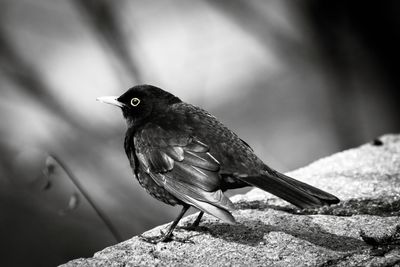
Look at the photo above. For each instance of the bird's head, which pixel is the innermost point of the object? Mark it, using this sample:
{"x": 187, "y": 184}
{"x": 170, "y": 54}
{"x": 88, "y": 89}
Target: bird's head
{"x": 140, "y": 102}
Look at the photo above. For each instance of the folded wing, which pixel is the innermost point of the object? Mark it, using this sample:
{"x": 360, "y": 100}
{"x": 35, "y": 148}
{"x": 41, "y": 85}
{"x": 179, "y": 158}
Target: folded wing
{"x": 184, "y": 167}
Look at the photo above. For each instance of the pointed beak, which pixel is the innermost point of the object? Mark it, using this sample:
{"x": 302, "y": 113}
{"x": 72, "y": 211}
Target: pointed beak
{"x": 112, "y": 100}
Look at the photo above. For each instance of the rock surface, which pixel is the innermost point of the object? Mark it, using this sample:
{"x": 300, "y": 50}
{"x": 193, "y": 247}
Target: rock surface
{"x": 362, "y": 230}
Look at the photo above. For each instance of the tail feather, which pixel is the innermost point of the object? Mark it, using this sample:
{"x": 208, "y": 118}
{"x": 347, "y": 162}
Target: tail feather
{"x": 326, "y": 197}
{"x": 297, "y": 193}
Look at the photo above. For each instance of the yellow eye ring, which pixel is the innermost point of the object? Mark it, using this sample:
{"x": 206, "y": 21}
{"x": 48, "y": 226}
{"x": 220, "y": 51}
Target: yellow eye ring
{"x": 135, "y": 101}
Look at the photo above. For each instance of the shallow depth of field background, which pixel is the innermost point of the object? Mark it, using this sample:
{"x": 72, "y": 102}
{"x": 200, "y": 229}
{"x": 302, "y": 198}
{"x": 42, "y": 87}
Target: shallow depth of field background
{"x": 297, "y": 80}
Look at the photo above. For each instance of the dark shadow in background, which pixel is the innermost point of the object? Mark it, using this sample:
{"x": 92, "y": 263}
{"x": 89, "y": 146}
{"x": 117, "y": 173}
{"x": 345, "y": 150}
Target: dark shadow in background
{"x": 358, "y": 42}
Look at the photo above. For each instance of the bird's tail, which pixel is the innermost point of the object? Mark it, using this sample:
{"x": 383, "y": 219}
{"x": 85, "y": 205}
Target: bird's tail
{"x": 297, "y": 193}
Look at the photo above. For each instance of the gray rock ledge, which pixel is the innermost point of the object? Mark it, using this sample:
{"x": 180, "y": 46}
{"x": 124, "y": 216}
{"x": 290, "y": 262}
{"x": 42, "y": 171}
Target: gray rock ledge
{"x": 362, "y": 230}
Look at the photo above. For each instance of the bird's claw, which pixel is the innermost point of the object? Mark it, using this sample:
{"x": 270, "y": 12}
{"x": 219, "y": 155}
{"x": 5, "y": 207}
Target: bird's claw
{"x": 156, "y": 239}
{"x": 165, "y": 238}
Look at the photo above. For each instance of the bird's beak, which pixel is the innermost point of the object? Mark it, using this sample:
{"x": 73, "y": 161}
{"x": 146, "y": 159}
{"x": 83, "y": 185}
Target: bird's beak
{"x": 112, "y": 100}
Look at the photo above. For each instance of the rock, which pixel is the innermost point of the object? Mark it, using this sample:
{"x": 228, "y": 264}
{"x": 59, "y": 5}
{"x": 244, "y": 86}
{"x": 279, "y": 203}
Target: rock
{"x": 362, "y": 230}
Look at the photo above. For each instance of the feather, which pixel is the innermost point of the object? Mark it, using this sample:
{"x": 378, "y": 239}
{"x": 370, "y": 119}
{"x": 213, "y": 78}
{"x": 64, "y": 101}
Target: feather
{"x": 197, "y": 146}
{"x": 299, "y": 194}
{"x": 160, "y": 162}
{"x": 175, "y": 152}
{"x": 214, "y": 203}
{"x": 202, "y": 160}
{"x": 204, "y": 179}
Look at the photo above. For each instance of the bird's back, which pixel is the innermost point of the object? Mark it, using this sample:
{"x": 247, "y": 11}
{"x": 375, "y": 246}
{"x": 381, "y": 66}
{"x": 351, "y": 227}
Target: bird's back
{"x": 234, "y": 155}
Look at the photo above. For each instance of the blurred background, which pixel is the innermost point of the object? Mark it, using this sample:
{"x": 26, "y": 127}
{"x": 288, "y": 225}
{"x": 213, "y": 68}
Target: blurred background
{"x": 297, "y": 80}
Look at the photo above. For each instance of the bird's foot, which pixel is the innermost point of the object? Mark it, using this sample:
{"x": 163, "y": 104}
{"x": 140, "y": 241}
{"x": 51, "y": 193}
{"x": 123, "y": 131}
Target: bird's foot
{"x": 164, "y": 238}
{"x": 155, "y": 239}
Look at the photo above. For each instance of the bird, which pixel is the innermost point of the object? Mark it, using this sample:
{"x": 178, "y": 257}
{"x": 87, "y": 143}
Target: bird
{"x": 183, "y": 155}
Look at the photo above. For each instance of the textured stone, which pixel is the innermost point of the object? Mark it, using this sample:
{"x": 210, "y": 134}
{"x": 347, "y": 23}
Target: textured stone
{"x": 362, "y": 230}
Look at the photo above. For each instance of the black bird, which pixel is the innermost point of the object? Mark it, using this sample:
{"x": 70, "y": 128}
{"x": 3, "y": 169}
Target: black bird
{"x": 181, "y": 154}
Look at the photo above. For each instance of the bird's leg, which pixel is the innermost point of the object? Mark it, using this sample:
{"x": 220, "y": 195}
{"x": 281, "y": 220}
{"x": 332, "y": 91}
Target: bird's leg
{"x": 195, "y": 224}
{"x": 197, "y": 221}
{"x": 166, "y": 237}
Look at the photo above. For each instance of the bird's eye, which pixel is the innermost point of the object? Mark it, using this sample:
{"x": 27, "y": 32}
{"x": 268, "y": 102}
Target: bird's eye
{"x": 135, "y": 101}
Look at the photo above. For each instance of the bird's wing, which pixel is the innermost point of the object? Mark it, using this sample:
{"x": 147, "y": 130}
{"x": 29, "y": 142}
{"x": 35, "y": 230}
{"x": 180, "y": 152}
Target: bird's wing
{"x": 184, "y": 167}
